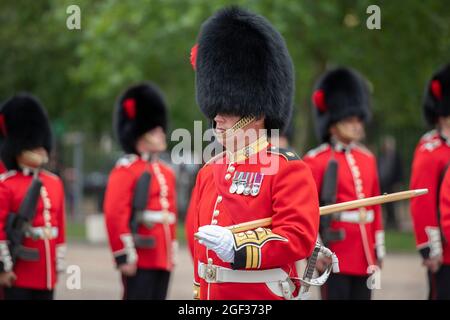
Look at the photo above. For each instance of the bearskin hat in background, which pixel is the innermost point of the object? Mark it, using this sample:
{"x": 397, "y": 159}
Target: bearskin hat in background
{"x": 24, "y": 125}
{"x": 339, "y": 94}
{"x": 139, "y": 109}
{"x": 437, "y": 96}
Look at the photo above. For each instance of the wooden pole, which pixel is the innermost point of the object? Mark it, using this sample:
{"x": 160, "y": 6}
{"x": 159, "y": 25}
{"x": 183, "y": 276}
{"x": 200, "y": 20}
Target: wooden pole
{"x": 338, "y": 207}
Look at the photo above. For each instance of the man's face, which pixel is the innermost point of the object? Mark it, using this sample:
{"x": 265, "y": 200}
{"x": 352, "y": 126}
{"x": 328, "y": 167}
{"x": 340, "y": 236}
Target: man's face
{"x": 153, "y": 141}
{"x": 445, "y": 121}
{"x": 223, "y": 123}
{"x": 349, "y": 130}
{"x": 33, "y": 158}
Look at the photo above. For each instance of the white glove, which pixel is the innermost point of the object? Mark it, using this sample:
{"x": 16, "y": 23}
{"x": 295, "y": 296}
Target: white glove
{"x": 218, "y": 239}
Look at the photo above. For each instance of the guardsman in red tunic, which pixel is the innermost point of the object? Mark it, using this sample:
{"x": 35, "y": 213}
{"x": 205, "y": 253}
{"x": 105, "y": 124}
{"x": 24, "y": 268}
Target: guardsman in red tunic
{"x": 29, "y": 260}
{"x": 431, "y": 158}
{"x": 140, "y": 200}
{"x": 2, "y": 170}
{"x": 443, "y": 289}
{"x": 244, "y": 81}
{"x": 345, "y": 170}
{"x": 2, "y": 137}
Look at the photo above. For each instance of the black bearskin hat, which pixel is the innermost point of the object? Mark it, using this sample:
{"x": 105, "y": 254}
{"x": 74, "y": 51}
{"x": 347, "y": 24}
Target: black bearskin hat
{"x": 437, "y": 96}
{"x": 139, "y": 109}
{"x": 25, "y": 126}
{"x": 243, "y": 68}
{"x": 339, "y": 94}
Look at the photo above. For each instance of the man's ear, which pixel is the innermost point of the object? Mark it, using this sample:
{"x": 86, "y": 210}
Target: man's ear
{"x": 332, "y": 130}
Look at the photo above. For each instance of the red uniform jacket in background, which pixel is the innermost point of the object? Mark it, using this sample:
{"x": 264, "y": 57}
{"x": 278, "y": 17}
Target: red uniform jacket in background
{"x": 287, "y": 194}
{"x": 357, "y": 177}
{"x": 118, "y": 206}
{"x": 431, "y": 157}
{"x": 445, "y": 214}
{"x": 40, "y": 274}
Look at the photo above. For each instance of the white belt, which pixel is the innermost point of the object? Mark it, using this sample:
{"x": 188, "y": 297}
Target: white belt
{"x": 42, "y": 232}
{"x": 150, "y": 217}
{"x": 276, "y": 280}
{"x": 357, "y": 217}
{"x": 215, "y": 274}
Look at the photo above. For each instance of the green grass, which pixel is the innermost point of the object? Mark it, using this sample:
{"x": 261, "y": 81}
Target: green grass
{"x": 397, "y": 241}
{"x": 77, "y": 231}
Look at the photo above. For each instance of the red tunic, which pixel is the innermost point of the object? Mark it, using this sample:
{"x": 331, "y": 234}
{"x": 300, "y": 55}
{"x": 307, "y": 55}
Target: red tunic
{"x": 357, "y": 177}
{"x": 287, "y": 194}
{"x": 445, "y": 214}
{"x": 40, "y": 274}
{"x": 117, "y": 208}
{"x": 431, "y": 157}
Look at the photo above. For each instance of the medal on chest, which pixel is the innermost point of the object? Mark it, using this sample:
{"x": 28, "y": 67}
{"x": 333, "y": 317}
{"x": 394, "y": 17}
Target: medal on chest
{"x": 246, "y": 183}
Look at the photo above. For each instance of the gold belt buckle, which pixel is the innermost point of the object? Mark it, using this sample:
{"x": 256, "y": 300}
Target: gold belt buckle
{"x": 362, "y": 215}
{"x": 210, "y": 273}
{"x": 47, "y": 232}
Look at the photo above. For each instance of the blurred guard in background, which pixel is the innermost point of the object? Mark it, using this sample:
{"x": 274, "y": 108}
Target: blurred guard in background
{"x": 443, "y": 286}
{"x": 245, "y": 84}
{"x": 30, "y": 198}
{"x": 345, "y": 170}
{"x": 139, "y": 206}
{"x": 431, "y": 159}
{"x": 2, "y": 170}
{"x": 2, "y": 137}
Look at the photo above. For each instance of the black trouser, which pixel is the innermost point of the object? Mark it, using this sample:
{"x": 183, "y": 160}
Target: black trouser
{"x": 439, "y": 284}
{"x": 146, "y": 285}
{"x": 16, "y": 293}
{"x": 346, "y": 287}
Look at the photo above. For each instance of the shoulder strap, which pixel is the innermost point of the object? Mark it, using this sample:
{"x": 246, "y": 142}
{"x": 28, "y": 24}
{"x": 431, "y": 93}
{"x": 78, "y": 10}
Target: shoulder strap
{"x": 289, "y": 155}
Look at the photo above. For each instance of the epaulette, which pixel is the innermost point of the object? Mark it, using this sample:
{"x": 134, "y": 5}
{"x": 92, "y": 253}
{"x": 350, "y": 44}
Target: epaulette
{"x": 289, "y": 155}
{"x": 314, "y": 152}
{"x": 7, "y": 175}
{"x": 431, "y": 145}
{"x": 364, "y": 149}
{"x": 127, "y": 160}
{"x": 430, "y": 135}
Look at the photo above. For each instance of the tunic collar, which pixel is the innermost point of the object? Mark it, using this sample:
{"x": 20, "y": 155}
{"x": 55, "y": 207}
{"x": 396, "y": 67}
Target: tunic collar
{"x": 253, "y": 148}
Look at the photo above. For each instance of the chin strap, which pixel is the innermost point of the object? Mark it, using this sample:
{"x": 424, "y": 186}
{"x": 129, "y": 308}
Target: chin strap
{"x": 241, "y": 123}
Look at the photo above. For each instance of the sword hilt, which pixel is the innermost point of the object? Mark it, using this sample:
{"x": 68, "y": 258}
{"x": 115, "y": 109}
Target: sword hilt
{"x": 310, "y": 267}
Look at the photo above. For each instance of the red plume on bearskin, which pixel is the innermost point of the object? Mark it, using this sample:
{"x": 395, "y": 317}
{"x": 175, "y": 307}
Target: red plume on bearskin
{"x": 194, "y": 56}
{"x": 318, "y": 99}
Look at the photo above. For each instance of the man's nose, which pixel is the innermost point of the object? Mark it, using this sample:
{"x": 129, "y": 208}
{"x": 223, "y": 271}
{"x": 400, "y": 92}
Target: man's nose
{"x": 219, "y": 119}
